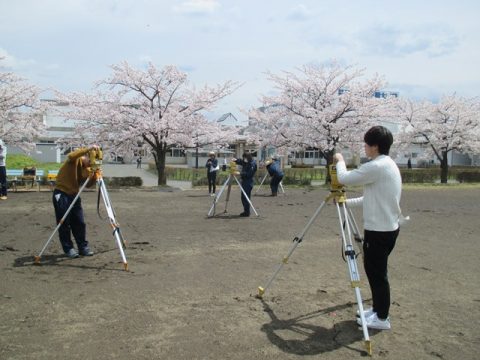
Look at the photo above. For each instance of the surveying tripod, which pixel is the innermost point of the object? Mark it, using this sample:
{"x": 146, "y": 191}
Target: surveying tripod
{"x": 228, "y": 184}
{"x": 263, "y": 180}
{"x": 95, "y": 172}
{"x": 349, "y": 230}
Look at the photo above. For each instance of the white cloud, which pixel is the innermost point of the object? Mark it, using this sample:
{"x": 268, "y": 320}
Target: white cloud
{"x": 386, "y": 40}
{"x": 197, "y": 7}
{"x": 11, "y": 62}
{"x": 299, "y": 13}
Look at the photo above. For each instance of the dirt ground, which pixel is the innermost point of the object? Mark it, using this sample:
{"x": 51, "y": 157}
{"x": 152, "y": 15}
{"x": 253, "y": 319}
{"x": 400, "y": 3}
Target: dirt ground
{"x": 190, "y": 292}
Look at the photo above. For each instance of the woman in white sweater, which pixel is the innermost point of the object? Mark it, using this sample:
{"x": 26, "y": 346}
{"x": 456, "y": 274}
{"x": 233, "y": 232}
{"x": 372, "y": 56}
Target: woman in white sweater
{"x": 381, "y": 215}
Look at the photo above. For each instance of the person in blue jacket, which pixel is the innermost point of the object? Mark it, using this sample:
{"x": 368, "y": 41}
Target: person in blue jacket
{"x": 249, "y": 168}
{"x": 275, "y": 171}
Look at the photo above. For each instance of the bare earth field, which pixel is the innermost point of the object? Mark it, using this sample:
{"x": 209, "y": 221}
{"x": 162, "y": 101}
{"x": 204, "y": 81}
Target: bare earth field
{"x": 190, "y": 292}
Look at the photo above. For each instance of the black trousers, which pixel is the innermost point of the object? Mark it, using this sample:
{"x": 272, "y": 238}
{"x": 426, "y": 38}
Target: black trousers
{"x": 74, "y": 222}
{"x": 247, "y": 187}
{"x": 212, "y": 179}
{"x": 377, "y": 246}
{"x": 3, "y": 181}
{"x": 274, "y": 183}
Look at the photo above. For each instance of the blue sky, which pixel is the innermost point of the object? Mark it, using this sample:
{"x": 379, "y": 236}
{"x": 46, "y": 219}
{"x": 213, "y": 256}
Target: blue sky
{"x": 423, "y": 48}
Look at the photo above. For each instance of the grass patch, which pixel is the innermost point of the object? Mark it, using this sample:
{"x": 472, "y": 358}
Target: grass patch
{"x": 19, "y": 161}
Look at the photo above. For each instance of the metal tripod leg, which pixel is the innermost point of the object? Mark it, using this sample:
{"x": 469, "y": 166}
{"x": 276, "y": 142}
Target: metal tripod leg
{"x": 281, "y": 187}
{"x": 353, "y": 224}
{"x": 113, "y": 222}
{"x": 60, "y": 223}
{"x": 217, "y": 197}
{"x": 351, "y": 260}
{"x": 245, "y": 194}
{"x": 261, "y": 183}
{"x": 297, "y": 240}
{"x": 228, "y": 185}
{"x": 229, "y": 191}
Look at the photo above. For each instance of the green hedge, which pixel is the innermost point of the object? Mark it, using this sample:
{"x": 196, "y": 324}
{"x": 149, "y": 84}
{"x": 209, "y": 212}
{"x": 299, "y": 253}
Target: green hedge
{"x": 432, "y": 175}
{"x": 123, "y": 181}
{"x": 292, "y": 176}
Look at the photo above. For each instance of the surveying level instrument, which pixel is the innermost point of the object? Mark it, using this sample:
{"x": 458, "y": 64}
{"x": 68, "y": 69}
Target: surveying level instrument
{"x": 263, "y": 180}
{"x": 228, "y": 184}
{"x": 95, "y": 173}
{"x": 349, "y": 230}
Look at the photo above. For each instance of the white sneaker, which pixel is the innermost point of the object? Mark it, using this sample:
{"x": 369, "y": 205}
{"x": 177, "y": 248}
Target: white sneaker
{"x": 367, "y": 313}
{"x": 373, "y": 322}
{"x": 212, "y": 194}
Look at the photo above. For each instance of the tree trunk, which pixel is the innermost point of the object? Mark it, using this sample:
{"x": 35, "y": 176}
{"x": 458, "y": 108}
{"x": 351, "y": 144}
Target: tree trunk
{"x": 444, "y": 168}
{"x": 160, "y": 154}
{"x": 196, "y": 157}
{"x": 329, "y": 157}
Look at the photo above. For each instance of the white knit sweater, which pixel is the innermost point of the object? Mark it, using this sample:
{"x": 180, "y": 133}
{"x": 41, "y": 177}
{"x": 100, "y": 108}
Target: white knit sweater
{"x": 381, "y": 194}
{"x": 3, "y": 153}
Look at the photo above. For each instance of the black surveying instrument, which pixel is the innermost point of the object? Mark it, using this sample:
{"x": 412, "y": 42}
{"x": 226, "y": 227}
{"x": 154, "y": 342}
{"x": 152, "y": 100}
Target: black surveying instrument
{"x": 95, "y": 173}
{"x": 349, "y": 230}
{"x": 232, "y": 176}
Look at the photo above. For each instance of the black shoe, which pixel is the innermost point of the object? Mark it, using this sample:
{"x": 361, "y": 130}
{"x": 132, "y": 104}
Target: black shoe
{"x": 244, "y": 214}
{"x": 86, "y": 251}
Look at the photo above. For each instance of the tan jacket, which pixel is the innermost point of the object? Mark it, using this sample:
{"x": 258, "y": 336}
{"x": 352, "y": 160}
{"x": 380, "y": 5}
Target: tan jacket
{"x": 73, "y": 174}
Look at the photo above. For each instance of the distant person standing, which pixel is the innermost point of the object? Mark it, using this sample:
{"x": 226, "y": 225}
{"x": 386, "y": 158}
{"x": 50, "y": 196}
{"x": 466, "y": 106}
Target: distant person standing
{"x": 249, "y": 168}
{"x": 139, "y": 162}
{"x": 212, "y": 168}
{"x": 275, "y": 171}
{"x": 3, "y": 171}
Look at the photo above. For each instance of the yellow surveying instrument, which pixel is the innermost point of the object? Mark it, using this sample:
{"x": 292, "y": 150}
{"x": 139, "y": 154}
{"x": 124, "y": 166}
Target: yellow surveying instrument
{"x": 349, "y": 230}
{"x": 95, "y": 173}
{"x": 228, "y": 184}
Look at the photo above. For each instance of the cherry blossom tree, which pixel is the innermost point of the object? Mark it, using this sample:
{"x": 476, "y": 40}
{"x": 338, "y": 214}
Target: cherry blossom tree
{"x": 320, "y": 106}
{"x": 154, "y": 107}
{"x": 20, "y": 111}
{"x": 453, "y": 124}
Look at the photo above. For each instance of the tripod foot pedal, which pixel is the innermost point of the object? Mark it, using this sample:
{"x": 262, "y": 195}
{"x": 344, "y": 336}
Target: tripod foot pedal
{"x": 261, "y": 292}
{"x": 368, "y": 347}
{"x": 36, "y": 260}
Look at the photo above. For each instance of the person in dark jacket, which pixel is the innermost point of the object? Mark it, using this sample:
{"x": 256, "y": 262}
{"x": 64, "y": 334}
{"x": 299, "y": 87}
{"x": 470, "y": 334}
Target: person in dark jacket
{"x": 3, "y": 171}
{"x": 212, "y": 168}
{"x": 249, "y": 168}
{"x": 275, "y": 171}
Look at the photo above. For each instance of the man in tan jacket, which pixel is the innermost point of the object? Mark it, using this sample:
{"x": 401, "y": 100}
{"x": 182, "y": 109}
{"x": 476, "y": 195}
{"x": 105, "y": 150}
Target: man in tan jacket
{"x": 73, "y": 173}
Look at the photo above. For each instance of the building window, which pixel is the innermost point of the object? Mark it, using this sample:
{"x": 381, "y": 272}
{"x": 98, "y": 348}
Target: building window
{"x": 178, "y": 152}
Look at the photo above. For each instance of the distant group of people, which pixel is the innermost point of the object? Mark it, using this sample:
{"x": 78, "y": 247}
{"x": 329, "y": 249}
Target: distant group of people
{"x": 249, "y": 168}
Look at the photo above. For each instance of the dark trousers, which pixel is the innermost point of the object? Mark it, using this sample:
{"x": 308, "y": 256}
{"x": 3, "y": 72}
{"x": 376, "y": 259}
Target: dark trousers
{"x": 3, "y": 181}
{"x": 212, "y": 179}
{"x": 274, "y": 183}
{"x": 74, "y": 222}
{"x": 377, "y": 246}
{"x": 247, "y": 187}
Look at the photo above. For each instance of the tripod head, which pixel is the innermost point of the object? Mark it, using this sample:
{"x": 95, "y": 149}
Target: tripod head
{"x": 337, "y": 190}
{"x": 233, "y": 168}
{"x": 96, "y": 158}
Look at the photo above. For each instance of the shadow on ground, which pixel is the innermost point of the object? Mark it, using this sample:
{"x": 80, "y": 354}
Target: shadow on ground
{"x": 315, "y": 339}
